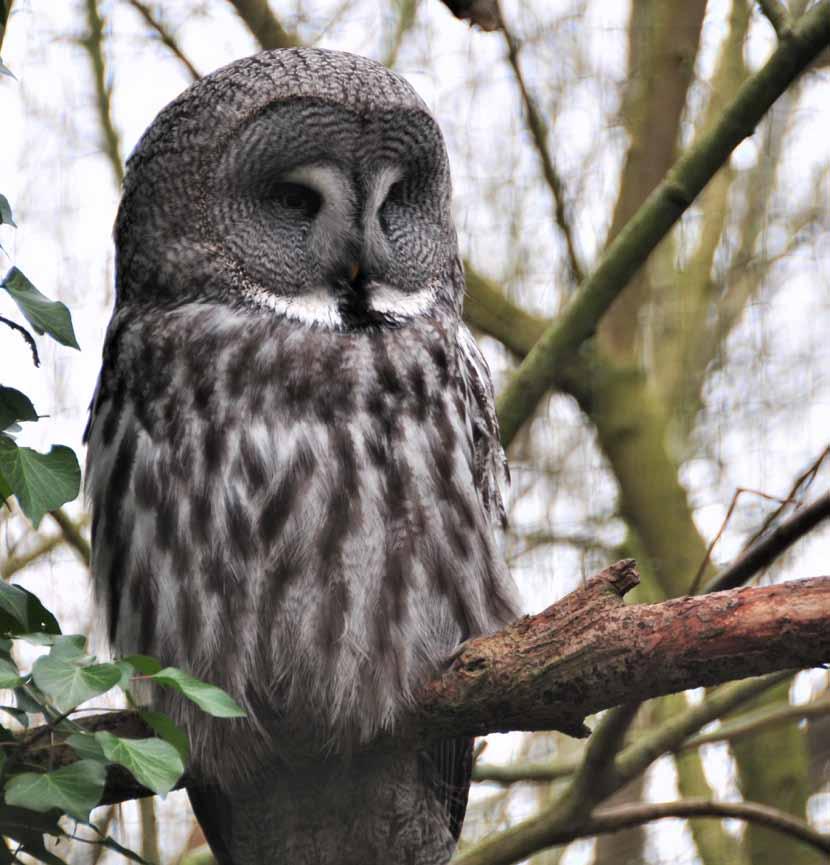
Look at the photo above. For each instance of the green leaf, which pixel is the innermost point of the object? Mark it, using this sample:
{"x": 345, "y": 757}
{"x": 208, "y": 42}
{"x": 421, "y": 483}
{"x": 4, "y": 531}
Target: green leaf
{"x": 18, "y": 714}
{"x": 41, "y": 482}
{"x": 166, "y": 729}
{"x": 45, "y": 316}
{"x": 71, "y": 680}
{"x": 21, "y": 612}
{"x": 14, "y": 406}
{"x": 143, "y": 664}
{"x": 6, "y": 212}
{"x": 152, "y": 762}
{"x": 75, "y": 789}
{"x": 211, "y": 699}
{"x": 86, "y": 746}
{"x": 9, "y": 674}
{"x": 25, "y": 698}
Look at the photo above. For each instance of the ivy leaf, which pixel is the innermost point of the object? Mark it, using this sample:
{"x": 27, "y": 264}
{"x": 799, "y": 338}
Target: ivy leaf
{"x": 143, "y": 664}
{"x": 86, "y": 746}
{"x": 9, "y": 674}
{"x": 18, "y": 714}
{"x": 41, "y": 482}
{"x": 152, "y": 762}
{"x": 21, "y": 612}
{"x": 69, "y": 680}
{"x": 6, "y": 210}
{"x": 211, "y": 699}
{"x": 75, "y": 789}
{"x": 166, "y": 729}
{"x": 14, "y": 405}
{"x": 5, "y": 489}
{"x": 45, "y": 316}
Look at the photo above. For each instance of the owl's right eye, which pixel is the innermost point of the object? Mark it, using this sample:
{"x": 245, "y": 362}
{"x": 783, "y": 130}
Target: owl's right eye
{"x": 297, "y": 198}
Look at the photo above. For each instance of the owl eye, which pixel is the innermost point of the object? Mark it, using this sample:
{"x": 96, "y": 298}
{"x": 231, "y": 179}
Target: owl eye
{"x": 297, "y": 198}
{"x": 397, "y": 192}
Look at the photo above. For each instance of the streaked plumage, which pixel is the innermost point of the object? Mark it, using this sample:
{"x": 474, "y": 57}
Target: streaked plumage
{"x": 293, "y": 453}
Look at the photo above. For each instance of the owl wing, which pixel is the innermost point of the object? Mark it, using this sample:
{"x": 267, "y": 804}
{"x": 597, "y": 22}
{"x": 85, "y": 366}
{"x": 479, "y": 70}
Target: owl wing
{"x": 452, "y": 759}
{"x": 489, "y": 460}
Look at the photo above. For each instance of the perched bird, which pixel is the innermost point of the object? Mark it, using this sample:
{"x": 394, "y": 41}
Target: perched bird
{"x": 294, "y": 459}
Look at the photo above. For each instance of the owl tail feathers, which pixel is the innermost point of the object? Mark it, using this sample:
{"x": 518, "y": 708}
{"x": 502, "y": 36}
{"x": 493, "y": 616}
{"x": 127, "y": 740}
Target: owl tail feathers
{"x": 374, "y": 809}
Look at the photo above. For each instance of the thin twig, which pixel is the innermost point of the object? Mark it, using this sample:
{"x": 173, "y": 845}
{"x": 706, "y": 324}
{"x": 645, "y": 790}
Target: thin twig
{"x": 625, "y": 816}
{"x": 729, "y": 511}
{"x": 72, "y": 534}
{"x": 165, "y": 37}
{"x": 765, "y": 551}
{"x": 30, "y": 340}
{"x": 93, "y": 42}
{"x": 539, "y": 133}
{"x": 801, "y": 484}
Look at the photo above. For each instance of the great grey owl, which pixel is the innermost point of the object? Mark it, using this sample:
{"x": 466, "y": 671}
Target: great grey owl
{"x": 294, "y": 461}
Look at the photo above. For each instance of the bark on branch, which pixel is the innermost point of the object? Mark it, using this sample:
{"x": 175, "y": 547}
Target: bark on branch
{"x": 586, "y": 653}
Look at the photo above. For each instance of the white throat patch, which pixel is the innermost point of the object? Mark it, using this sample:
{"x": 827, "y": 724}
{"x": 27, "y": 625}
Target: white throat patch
{"x": 321, "y": 307}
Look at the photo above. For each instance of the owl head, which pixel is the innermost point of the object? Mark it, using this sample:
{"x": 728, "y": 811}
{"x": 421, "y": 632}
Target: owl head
{"x": 314, "y": 184}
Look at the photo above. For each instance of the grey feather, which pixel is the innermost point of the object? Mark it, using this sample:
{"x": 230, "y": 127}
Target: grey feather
{"x": 293, "y": 459}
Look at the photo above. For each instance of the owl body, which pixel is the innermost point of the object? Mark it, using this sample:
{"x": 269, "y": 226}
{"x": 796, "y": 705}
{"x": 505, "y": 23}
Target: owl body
{"x": 293, "y": 454}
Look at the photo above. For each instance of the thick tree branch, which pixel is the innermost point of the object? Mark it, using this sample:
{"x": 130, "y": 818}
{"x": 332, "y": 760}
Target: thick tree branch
{"x": 264, "y": 25}
{"x": 589, "y": 652}
{"x": 656, "y": 217}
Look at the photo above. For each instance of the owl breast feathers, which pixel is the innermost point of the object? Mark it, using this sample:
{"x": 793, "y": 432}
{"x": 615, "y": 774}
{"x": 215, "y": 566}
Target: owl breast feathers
{"x": 293, "y": 453}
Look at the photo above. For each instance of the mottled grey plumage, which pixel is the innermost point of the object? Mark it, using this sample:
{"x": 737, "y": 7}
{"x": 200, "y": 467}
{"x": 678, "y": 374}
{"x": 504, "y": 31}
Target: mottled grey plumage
{"x": 293, "y": 452}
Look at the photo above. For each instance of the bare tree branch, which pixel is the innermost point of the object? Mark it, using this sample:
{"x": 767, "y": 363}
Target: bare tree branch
{"x": 539, "y": 133}
{"x": 72, "y": 535}
{"x": 165, "y": 37}
{"x": 264, "y": 24}
{"x": 655, "y": 218}
{"x": 767, "y": 549}
{"x": 547, "y": 771}
{"x": 93, "y": 42}
{"x": 777, "y": 15}
{"x": 615, "y": 819}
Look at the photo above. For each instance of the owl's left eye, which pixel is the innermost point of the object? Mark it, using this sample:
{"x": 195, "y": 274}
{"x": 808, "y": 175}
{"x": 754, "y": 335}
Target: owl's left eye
{"x": 297, "y": 198}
